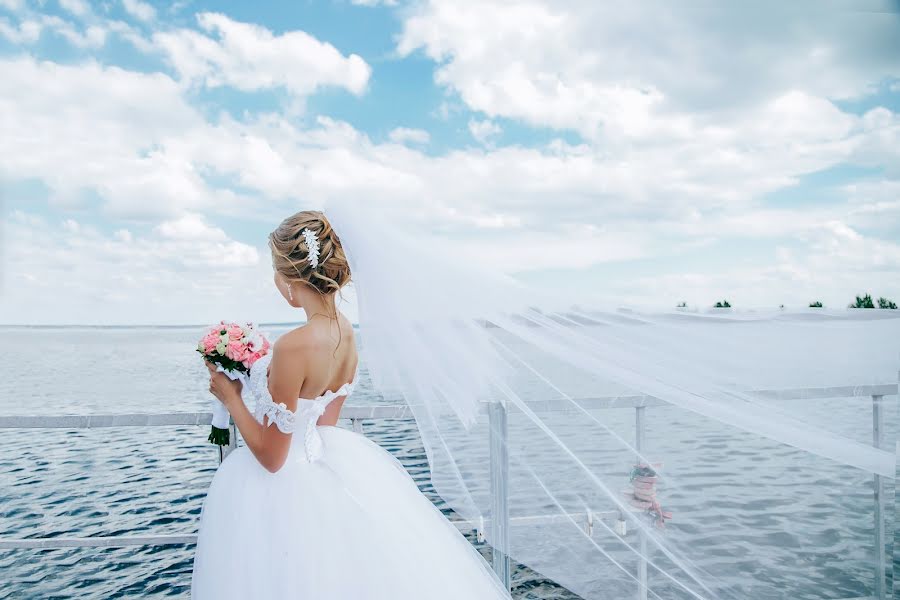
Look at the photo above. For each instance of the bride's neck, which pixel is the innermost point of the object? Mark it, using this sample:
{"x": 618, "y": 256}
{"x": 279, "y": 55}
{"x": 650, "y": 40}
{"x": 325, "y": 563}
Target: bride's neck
{"x": 319, "y": 305}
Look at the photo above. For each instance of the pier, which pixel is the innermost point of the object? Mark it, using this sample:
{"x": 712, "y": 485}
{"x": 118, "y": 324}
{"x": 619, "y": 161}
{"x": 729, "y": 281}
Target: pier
{"x": 496, "y": 524}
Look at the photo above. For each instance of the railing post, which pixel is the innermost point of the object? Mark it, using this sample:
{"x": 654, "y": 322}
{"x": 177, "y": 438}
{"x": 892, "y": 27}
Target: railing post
{"x": 896, "y": 553}
{"x": 880, "y": 591}
{"x": 499, "y": 470}
{"x": 642, "y": 537}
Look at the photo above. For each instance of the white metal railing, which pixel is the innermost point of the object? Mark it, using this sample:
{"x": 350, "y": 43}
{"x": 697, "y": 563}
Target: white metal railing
{"x": 499, "y": 469}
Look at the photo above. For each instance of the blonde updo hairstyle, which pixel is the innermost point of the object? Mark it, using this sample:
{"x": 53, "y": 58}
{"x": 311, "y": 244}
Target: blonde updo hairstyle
{"x": 290, "y": 255}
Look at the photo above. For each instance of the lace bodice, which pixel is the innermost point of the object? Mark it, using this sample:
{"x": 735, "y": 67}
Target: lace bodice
{"x": 303, "y": 420}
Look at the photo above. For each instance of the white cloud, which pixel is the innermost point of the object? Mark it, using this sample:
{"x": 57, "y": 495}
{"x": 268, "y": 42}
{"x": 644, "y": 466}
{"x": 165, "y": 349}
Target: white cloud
{"x": 26, "y": 32}
{"x": 836, "y": 244}
{"x": 484, "y": 131}
{"x": 12, "y": 5}
{"x": 647, "y": 70}
{"x": 123, "y": 235}
{"x": 403, "y": 135}
{"x": 132, "y": 36}
{"x": 882, "y": 144}
{"x": 151, "y": 156}
{"x": 670, "y": 160}
{"x": 139, "y": 10}
{"x": 874, "y": 204}
{"x": 374, "y": 2}
{"x": 249, "y": 57}
{"x": 79, "y": 8}
{"x": 90, "y": 127}
{"x": 190, "y": 227}
{"x": 572, "y": 248}
{"x": 835, "y": 263}
{"x": 92, "y": 37}
{"x": 123, "y": 277}
{"x": 689, "y": 119}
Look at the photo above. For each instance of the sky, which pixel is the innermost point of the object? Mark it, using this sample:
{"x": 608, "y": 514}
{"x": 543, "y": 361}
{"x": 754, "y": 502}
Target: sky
{"x": 642, "y": 153}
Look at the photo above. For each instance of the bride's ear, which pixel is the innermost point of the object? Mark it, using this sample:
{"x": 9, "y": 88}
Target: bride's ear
{"x": 284, "y": 287}
{"x": 293, "y": 299}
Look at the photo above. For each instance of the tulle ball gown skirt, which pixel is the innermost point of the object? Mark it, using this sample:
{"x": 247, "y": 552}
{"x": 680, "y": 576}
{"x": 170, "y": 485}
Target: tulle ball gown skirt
{"x": 350, "y": 525}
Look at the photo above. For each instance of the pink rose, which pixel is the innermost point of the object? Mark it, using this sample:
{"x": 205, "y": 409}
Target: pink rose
{"x": 235, "y": 332}
{"x": 235, "y": 350}
{"x": 209, "y": 343}
{"x": 252, "y": 357}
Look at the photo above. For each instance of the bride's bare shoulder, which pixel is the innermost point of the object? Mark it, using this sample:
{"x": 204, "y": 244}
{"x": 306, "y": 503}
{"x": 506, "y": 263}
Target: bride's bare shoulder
{"x": 300, "y": 339}
{"x": 305, "y": 337}
{"x": 348, "y": 327}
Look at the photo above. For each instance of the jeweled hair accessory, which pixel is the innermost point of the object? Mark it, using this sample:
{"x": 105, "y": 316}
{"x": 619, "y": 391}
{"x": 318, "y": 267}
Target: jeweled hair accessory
{"x": 312, "y": 243}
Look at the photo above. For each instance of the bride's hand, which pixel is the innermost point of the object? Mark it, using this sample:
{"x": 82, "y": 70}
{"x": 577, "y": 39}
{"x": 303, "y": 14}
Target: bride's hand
{"x": 223, "y": 388}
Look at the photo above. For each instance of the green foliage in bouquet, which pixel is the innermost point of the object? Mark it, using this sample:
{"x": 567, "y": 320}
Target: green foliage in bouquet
{"x": 224, "y": 361}
{"x": 219, "y": 437}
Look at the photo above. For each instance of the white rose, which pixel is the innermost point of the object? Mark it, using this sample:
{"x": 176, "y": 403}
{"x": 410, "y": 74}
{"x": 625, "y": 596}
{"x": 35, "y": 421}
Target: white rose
{"x": 257, "y": 341}
{"x": 220, "y": 348}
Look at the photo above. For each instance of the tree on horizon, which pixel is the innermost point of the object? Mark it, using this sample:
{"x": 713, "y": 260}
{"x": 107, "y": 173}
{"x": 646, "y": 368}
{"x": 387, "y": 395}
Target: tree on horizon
{"x": 885, "y": 303}
{"x": 815, "y": 304}
{"x": 864, "y": 302}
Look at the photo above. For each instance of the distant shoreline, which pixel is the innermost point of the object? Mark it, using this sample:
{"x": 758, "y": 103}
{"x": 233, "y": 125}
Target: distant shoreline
{"x": 683, "y": 310}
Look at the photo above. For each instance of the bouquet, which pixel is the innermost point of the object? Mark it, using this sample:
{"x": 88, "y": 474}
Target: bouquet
{"x": 233, "y": 348}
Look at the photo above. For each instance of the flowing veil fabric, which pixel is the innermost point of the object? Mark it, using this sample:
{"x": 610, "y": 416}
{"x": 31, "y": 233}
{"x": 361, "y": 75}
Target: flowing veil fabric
{"x": 458, "y": 342}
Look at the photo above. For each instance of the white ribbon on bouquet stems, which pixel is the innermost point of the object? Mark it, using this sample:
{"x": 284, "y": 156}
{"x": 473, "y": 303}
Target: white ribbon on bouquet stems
{"x": 220, "y": 415}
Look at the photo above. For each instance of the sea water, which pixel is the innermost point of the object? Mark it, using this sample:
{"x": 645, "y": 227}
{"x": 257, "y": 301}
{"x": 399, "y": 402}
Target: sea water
{"x": 804, "y": 531}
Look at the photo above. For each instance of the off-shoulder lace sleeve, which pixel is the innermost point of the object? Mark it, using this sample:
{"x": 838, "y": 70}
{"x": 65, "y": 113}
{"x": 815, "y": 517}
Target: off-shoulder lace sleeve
{"x": 280, "y": 414}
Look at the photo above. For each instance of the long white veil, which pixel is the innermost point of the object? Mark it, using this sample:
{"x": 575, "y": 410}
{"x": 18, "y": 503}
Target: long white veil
{"x": 573, "y": 433}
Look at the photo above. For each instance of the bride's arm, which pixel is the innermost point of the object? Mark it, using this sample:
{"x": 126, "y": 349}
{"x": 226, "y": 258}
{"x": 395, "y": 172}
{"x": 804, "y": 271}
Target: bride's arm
{"x": 268, "y": 443}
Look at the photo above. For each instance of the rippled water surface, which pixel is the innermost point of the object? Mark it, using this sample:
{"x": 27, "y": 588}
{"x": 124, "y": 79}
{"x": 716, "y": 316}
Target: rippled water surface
{"x": 799, "y": 530}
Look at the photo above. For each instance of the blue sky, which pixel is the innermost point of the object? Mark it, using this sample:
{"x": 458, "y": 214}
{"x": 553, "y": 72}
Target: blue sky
{"x": 627, "y": 155}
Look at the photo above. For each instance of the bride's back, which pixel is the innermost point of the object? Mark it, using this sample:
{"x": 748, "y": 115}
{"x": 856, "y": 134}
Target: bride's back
{"x": 330, "y": 361}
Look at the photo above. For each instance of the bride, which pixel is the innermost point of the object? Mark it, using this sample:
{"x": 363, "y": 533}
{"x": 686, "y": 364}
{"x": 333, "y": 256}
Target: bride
{"x": 511, "y": 397}
{"x": 306, "y": 509}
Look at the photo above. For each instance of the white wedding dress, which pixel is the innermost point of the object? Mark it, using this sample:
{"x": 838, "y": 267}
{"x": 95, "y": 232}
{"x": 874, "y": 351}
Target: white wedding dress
{"x": 341, "y": 520}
